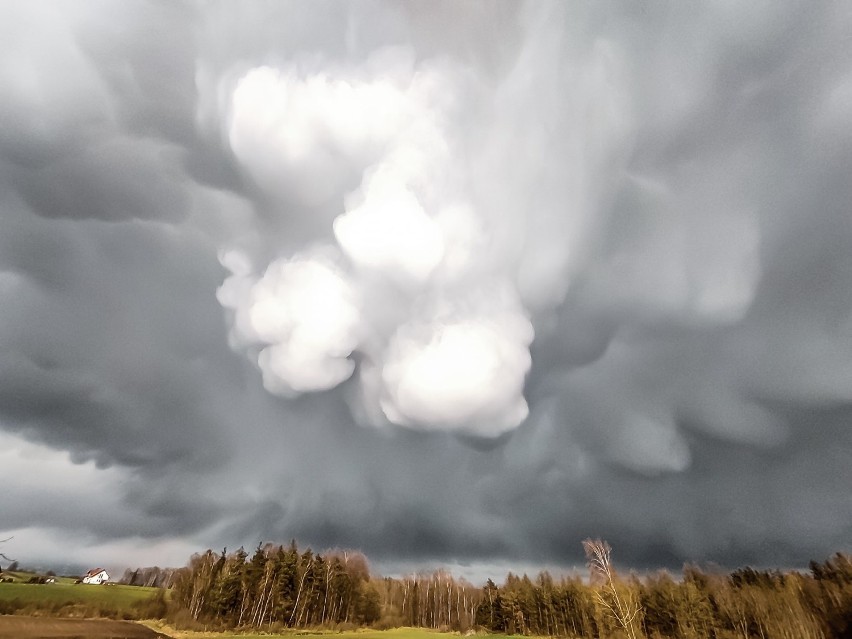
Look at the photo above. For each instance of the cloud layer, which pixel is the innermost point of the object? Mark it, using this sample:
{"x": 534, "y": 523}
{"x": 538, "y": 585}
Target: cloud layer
{"x": 446, "y": 283}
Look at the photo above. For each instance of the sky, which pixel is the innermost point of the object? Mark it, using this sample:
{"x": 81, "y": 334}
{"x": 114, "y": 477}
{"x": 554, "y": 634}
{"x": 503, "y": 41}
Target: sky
{"x": 452, "y": 283}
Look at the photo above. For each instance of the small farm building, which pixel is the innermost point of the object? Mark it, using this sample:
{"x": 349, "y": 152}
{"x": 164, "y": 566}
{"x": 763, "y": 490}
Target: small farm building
{"x": 96, "y": 576}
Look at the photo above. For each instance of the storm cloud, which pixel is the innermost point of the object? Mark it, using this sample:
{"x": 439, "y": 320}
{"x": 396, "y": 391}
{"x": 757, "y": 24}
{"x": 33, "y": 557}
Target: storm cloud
{"x": 451, "y": 283}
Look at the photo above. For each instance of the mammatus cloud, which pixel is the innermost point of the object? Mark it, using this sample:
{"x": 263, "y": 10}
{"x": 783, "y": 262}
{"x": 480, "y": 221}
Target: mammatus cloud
{"x": 464, "y": 372}
{"x": 455, "y": 362}
{"x": 298, "y": 133}
{"x": 388, "y": 230}
{"x": 442, "y": 215}
{"x": 304, "y": 313}
{"x": 496, "y": 277}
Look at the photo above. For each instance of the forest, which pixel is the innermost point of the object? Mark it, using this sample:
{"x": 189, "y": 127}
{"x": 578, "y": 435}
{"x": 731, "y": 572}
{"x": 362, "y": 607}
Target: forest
{"x": 281, "y": 586}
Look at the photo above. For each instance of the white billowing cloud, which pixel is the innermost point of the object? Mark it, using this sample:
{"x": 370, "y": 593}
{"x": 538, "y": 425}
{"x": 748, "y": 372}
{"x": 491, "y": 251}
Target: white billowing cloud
{"x": 304, "y": 311}
{"x": 311, "y": 134}
{"x": 466, "y": 375}
{"x": 305, "y": 134}
{"x": 392, "y": 221}
{"x": 235, "y": 294}
{"x": 389, "y": 230}
{"x": 409, "y": 224}
{"x": 458, "y": 364}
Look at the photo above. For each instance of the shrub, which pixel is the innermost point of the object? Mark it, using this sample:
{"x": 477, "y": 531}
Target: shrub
{"x": 181, "y": 619}
{"x": 153, "y": 608}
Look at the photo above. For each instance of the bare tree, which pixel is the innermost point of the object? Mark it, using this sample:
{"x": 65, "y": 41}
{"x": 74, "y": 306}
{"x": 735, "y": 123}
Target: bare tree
{"x": 624, "y": 607}
{"x": 11, "y": 561}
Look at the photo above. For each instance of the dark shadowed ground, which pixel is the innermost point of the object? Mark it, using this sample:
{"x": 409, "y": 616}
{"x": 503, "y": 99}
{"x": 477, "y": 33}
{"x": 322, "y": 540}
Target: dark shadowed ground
{"x": 15, "y": 627}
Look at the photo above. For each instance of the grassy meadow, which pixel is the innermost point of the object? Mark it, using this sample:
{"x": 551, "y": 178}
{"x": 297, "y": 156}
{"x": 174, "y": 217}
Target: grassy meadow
{"x": 22, "y": 577}
{"x": 65, "y": 598}
{"x": 114, "y": 595}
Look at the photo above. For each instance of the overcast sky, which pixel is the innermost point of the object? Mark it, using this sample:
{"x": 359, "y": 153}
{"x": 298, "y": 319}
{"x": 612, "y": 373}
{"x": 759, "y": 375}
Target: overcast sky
{"x": 453, "y": 283}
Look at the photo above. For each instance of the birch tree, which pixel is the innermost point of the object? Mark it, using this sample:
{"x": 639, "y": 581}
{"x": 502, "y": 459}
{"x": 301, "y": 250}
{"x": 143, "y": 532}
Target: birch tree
{"x": 623, "y": 607}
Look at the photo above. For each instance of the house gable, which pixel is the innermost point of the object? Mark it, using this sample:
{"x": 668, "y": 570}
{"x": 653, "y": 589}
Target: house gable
{"x": 96, "y": 576}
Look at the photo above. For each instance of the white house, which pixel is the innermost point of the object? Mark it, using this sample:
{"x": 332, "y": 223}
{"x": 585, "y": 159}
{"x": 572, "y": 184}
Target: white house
{"x": 96, "y": 576}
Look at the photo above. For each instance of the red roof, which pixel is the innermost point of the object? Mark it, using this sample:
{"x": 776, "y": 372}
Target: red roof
{"x": 94, "y": 572}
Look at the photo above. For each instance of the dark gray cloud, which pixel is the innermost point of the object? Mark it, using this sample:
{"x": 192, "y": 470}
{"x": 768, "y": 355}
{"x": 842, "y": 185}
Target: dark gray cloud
{"x": 512, "y": 274}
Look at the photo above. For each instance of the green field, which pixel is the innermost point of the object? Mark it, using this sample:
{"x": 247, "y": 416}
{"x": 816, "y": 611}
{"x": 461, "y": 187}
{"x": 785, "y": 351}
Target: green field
{"x": 112, "y": 595}
{"x": 18, "y": 576}
{"x": 67, "y": 599}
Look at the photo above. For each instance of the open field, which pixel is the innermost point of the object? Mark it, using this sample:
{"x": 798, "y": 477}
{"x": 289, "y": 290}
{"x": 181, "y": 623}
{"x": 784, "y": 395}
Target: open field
{"x": 81, "y": 601}
{"x": 18, "y": 576}
{"x": 69, "y": 593}
{"x": 16, "y": 627}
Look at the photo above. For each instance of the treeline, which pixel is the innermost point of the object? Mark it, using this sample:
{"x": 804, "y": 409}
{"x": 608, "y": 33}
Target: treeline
{"x": 281, "y": 586}
{"x": 152, "y": 577}
{"x": 277, "y": 586}
{"x": 744, "y": 604}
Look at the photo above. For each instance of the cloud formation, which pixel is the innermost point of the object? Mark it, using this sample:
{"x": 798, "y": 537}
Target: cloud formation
{"x": 454, "y": 359}
{"x": 444, "y": 282}
{"x": 305, "y": 313}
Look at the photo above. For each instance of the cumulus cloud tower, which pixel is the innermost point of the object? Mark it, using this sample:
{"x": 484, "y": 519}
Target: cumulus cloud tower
{"x": 454, "y": 360}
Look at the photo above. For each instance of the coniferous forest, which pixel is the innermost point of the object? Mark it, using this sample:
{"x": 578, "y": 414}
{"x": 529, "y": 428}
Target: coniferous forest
{"x": 284, "y": 587}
